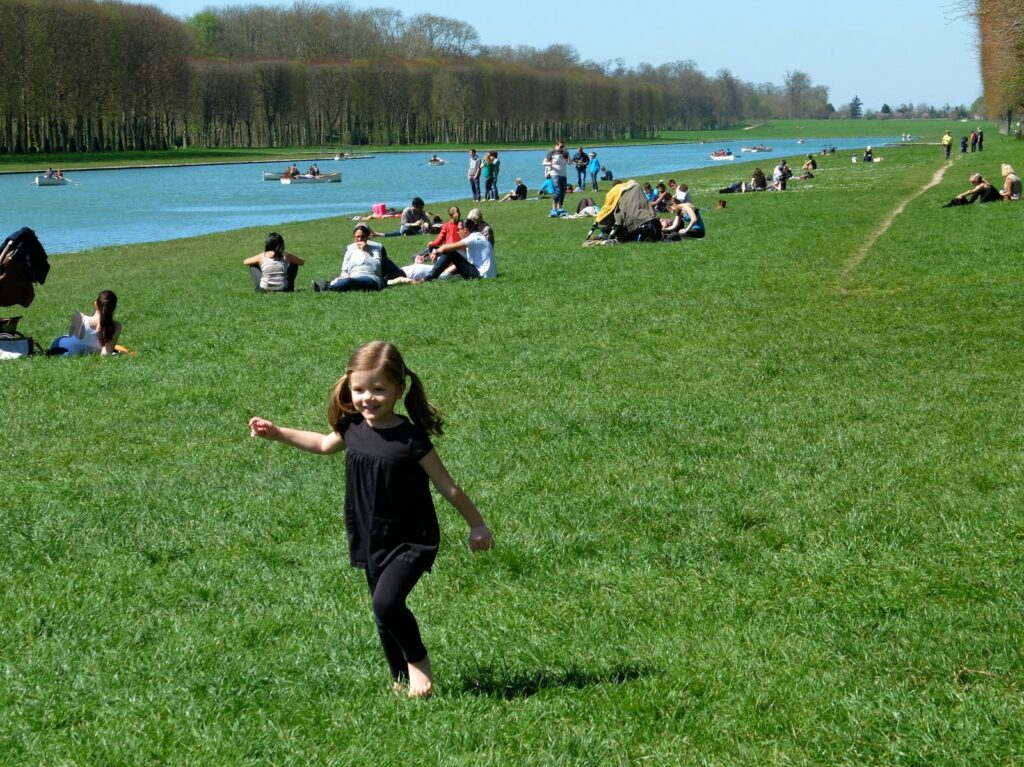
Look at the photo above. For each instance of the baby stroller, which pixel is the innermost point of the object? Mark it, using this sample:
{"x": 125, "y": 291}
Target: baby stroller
{"x": 627, "y": 216}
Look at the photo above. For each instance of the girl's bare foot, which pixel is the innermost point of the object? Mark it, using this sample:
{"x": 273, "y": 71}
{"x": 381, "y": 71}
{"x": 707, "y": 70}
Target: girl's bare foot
{"x": 421, "y": 680}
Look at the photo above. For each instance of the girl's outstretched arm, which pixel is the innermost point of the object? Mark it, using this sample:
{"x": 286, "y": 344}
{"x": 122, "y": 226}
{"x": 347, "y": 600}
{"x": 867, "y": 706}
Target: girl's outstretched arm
{"x": 479, "y": 535}
{"x": 310, "y": 441}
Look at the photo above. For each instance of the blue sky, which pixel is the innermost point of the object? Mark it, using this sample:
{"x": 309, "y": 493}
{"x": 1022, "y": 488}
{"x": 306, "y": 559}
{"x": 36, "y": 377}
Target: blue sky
{"x": 885, "y": 51}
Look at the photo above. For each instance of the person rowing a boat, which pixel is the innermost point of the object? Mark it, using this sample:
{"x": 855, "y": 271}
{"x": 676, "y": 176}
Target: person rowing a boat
{"x": 291, "y": 172}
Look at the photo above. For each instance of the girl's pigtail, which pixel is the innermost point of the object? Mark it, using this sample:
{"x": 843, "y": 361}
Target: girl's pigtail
{"x": 422, "y": 413}
{"x": 340, "y": 410}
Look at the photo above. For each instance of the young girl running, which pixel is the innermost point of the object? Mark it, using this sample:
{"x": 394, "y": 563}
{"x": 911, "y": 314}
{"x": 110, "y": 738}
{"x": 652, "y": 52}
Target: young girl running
{"x": 389, "y": 514}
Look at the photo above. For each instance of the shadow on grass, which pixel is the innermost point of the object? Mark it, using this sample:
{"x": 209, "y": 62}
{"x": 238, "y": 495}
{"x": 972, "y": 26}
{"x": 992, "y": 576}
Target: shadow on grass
{"x": 523, "y": 684}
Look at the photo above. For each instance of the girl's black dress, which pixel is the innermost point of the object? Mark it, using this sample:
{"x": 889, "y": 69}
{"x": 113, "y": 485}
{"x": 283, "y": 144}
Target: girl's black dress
{"x": 389, "y": 512}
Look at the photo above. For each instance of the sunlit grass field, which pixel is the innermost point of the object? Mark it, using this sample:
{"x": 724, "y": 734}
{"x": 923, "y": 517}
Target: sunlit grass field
{"x": 757, "y": 498}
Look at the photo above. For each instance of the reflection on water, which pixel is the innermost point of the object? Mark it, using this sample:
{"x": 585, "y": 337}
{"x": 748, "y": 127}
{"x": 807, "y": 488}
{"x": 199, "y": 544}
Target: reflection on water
{"x": 112, "y": 207}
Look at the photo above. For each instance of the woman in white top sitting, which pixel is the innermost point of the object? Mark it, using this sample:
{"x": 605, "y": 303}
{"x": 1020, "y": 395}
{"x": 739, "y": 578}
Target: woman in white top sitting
{"x": 362, "y": 268}
{"x": 94, "y": 333}
{"x": 274, "y": 269}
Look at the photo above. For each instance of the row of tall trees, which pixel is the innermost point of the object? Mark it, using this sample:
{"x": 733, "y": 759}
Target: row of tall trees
{"x": 1001, "y": 39}
{"x": 81, "y": 75}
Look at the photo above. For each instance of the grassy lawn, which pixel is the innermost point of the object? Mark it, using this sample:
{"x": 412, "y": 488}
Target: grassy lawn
{"x": 921, "y": 130}
{"x": 757, "y": 497}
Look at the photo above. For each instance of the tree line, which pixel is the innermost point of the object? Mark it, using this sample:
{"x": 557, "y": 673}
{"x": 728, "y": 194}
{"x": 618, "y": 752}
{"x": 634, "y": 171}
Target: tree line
{"x": 1001, "y": 42}
{"x": 80, "y": 75}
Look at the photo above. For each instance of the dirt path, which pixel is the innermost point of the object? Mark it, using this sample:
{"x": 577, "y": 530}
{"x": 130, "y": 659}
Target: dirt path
{"x": 858, "y": 258}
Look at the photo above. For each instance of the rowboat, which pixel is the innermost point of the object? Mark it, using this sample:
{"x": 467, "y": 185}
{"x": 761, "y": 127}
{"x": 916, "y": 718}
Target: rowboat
{"x": 340, "y": 157}
{"x": 726, "y": 156}
{"x": 323, "y": 178}
{"x": 51, "y": 181}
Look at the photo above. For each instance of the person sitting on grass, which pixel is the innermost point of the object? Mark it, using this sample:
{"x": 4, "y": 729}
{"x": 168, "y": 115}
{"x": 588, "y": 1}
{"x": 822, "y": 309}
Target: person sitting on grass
{"x": 274, "y": 270}
{"x": 687, "y": 223}
{"x": 980, "y": 190}
{"x": 415, "y": 220}
{"x": 449, "y": 230}
{"x": 519, "y": 193}
{"x": 95, "y": 333}
{"x": 424, "y": 260}
{"x": 472, "y": 256}
{"x": 481, "y": 226}
{"x": 362, "y": 267}
{"x": 1011, "y": 184}
{"x": 661, "y": 198}
{"x": 780, "y": 176}
{"x": 680, "y": 192}
{"x": 758, "y": 182}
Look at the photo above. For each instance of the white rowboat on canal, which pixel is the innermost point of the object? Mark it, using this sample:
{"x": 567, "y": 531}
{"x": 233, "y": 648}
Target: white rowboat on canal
{"x": 303, "y": 178}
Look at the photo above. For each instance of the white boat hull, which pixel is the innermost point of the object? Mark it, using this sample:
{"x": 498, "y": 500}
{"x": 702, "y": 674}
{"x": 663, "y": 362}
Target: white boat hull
{"x": 323, "y": 178}
{"x": 43, "y": 181}
{"x": 722, "y": 156}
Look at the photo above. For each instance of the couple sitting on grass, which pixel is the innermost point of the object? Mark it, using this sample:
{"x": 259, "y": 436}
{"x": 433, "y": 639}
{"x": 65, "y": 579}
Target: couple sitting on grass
{"x": 463, "y": 248}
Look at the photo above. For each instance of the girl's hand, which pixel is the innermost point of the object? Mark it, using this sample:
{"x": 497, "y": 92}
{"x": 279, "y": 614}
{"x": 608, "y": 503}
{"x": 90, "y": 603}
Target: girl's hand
{"x": 260, "y": 427}
{"x": 480, "y": 538}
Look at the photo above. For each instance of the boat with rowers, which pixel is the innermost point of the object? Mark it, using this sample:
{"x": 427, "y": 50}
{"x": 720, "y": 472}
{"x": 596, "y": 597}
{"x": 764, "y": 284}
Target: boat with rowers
{"x": 305, "y": 178}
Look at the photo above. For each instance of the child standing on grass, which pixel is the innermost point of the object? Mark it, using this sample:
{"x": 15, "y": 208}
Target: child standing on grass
{"x": 389, "y": 514}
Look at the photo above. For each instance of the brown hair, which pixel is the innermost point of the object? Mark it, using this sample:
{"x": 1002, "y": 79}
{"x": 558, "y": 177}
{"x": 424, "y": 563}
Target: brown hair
{"x": 383, "y": 356}
{"x": 106, "y": 302}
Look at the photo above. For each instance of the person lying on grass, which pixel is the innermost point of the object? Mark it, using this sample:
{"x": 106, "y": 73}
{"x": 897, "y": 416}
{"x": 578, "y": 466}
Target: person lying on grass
{"x": 390, "y": 521}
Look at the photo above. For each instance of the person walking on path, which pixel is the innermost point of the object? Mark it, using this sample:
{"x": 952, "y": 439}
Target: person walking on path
{"x": 947, "y": 143}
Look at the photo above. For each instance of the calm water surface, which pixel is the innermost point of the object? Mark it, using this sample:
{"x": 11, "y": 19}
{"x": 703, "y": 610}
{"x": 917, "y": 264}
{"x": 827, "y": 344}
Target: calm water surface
{"x": 117, "y": 207}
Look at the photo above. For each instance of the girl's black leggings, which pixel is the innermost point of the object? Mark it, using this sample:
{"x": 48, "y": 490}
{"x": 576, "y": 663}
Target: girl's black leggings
{"x": 396, "y": 625}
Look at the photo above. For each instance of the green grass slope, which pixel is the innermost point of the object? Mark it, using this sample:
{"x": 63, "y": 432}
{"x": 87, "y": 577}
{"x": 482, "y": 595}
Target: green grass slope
{"x": 757, "y": 498}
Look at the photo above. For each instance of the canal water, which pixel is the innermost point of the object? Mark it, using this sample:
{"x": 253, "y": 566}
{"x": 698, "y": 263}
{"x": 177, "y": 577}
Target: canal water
{"x": 124, "y": 206}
